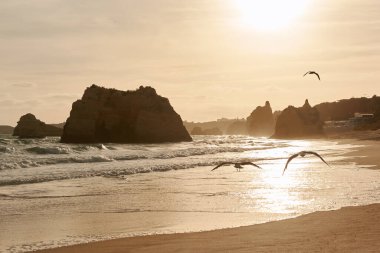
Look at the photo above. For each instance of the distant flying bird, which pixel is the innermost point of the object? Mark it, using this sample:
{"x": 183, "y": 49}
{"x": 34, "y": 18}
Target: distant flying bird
{"x": 237, "y": 165}
{"x": 302, "y": 154}
{"x": 312, "y": 73}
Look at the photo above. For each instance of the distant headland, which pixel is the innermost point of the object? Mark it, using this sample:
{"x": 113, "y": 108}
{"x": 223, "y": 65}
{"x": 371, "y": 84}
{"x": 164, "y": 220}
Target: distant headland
{"x": 142, "y": 116}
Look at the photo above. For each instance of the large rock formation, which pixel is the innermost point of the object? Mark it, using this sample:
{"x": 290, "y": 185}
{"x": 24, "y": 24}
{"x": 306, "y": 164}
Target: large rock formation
{"x": 346, "y": 108}
{"x": 261, "y": 121}
{"x": 30, "y": 127}
{"x": 109, "y": 115}
{"x": 299, "y": 122}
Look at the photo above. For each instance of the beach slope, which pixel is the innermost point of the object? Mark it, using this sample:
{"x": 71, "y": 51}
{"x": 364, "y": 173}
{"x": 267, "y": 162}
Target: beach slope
{"x": 350, "y": 229}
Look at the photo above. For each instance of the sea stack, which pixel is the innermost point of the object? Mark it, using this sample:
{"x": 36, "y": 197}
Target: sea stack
{"x": 299, "y": 122}
{"x": 261, "y": 121}
{"x": 30, "y": 127}
{"x": 110, "y": 115}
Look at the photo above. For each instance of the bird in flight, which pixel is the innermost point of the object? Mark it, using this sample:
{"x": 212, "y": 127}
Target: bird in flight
{"x": 312, "y": 73}
{"x": 237, "y": 165}
{"x": 302, "y": 154}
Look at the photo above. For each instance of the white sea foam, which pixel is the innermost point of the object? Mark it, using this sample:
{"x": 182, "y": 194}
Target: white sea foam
{"x": 28, "y": 153}
{"x": 49, "y": 150}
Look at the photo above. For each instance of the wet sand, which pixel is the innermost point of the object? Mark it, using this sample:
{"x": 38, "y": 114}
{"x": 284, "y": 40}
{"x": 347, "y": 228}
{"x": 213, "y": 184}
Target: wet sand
{"x": 350, "y": 229}
{"x": 368, "y": 154}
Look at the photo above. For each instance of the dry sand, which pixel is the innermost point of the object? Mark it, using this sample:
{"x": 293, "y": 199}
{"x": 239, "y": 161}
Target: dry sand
{"x": 350, "y": 229}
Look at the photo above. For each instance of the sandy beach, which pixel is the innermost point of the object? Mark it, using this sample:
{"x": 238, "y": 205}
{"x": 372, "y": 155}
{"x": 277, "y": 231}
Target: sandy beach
{"x": 189, "y": 126}
{"x": 350, "y": 229}
{"x": 369, "y": 142}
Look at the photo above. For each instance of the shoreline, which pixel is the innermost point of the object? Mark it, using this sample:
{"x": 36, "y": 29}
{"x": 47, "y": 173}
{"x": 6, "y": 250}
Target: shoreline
{"x": 367, "y": 155}
{"x": 349, "y": 229}
{"x": 345, "y": 230}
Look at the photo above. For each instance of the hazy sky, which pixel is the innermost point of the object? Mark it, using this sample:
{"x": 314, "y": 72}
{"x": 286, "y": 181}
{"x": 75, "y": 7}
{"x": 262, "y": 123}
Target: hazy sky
{"x": 211, "y": 58}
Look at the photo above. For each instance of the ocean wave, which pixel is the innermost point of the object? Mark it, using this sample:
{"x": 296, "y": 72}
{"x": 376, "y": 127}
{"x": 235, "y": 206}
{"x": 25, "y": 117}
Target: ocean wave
{"x": 204, "y": 151}
{"x": 4, "y": 141}
{"x": 30, "y": 163}
{"x": 118, "y": 173}
{"x": 56, "y": 155}
{"x": 83, "y": 148}
{"x": 7, "y": 149}
{"x": 49, "y": 150}
{"x": 92, "y": 159}
{"x": 117, "y": 170}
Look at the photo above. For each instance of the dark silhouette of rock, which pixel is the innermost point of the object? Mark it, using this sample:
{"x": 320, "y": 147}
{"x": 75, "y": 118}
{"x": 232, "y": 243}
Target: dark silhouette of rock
{"x": 261, "y": 121}
{"x": 30, "y": 127}
{"x": 6, "y": 129}
{"x": 276, "y": 114}
{"x": 299, "y": 122}
{"x": 377, "y": 113}
{"x": 346, "y": 108}
{"x": 208, "y": 131}
{"x": 237, "y": 128}
{"x": 110, "y": 115}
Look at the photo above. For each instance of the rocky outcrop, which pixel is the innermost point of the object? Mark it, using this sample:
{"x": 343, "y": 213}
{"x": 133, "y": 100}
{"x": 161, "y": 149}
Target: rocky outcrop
{"x": 299, "y": 122}
{"x": 208, "y": 131}
{"x": 346, "y": 108}
{"x": 30, "y": 127}
{"x": 109, "y": 115}
{"x": 261, "y": 121}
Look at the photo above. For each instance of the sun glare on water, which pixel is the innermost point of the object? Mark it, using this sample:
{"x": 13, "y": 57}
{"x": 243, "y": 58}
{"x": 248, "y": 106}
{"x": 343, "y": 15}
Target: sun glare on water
{"x": 271, "y": 15}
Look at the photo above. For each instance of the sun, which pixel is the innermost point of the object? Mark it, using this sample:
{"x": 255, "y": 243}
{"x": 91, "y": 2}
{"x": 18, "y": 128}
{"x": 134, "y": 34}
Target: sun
{"x": 271, "y": 15}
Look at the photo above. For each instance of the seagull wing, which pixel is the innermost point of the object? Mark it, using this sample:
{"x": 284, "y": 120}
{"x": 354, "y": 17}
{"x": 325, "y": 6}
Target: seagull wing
{"x": 222, "y": 164}
{"x": 316, "y": 154}
{"x": 315, "y": 73}
{"x": 289, "y": 160}
{"x": 250, "y": 163}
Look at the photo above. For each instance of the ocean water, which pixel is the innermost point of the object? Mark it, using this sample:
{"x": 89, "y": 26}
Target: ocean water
{"x": 54, "y": 194}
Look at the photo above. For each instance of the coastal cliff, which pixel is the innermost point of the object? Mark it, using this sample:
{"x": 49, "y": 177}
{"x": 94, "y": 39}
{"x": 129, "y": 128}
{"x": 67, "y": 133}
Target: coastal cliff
{"x": 261, "y": 121}
{"x": 346, "y": 108}
{"x": 299, "y": 122}
{"x": 30, "y": 127}
{"x": 110, "y": 115}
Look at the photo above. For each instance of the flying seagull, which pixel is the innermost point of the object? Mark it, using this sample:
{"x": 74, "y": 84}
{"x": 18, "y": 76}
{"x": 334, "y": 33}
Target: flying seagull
{"x": 237, "y": 165}
{"x": 302, "y": 154}
{"x": 312, "y": 73}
